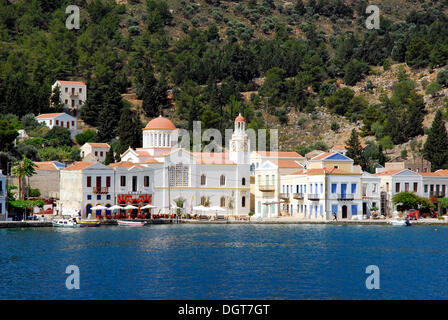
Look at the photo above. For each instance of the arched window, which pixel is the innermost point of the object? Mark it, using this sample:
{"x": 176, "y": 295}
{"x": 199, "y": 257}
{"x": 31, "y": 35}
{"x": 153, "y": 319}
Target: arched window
{"x": 222, "y": 180}
{"x": 243, "y": 181}
{"x": 203, "y": 180}
{"x": 223, "y": 202}
{"x": 243, "y": 202}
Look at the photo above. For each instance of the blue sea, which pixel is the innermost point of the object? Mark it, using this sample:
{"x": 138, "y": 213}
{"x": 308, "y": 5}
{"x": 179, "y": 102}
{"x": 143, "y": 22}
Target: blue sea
{"x": 225, "y": 262}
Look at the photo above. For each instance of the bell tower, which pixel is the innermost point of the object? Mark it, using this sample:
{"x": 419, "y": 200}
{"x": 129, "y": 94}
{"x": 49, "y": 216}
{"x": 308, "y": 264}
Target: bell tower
{"x": 239, "y": 144}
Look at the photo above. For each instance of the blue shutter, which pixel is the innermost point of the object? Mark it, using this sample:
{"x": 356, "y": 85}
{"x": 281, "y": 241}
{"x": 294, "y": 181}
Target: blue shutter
{"x": 333, "y": 187}
{"x": 354, "y": 209}
{"x": 353, "y": 188}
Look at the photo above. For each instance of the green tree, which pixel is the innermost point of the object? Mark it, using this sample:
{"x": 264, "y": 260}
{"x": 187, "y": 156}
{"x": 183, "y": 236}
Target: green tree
{"x": 129, "y": 130}
{"x": 55, "y": 100}
{"x": 406, "y": 200}
{"x": 435, "y": 148}
{"x": 354, "y": 148}
{"x": 417, "y": 53}
{"x": 60, "y": 135}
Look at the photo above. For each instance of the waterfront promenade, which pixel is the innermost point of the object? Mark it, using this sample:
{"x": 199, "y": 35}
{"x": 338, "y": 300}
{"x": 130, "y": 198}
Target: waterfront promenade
{"x": 282, "y": 220}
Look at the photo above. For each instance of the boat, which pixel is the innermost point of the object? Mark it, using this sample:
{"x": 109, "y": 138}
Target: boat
{"x": 398, "y": 222}
{"x": 126, "y": 223}
{"x": 89, "y": 223}
{"x": 66, "y": 222}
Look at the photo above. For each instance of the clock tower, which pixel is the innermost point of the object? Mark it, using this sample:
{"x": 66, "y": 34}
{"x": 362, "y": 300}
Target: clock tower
{"x": 240, "y": 144}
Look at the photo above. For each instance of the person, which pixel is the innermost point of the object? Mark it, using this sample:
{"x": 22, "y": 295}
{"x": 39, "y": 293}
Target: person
{"x": 335, "y": 216}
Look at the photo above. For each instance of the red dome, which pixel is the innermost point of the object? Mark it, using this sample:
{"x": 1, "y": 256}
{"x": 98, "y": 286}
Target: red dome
{"x": 160, "y": 123}
{"x": 240, "y": 118}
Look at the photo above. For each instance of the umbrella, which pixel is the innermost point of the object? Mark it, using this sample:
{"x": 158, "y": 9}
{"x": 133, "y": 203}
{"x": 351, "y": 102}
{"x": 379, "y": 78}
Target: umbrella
{"x": 217, "y": 209}
{"x": 200, "y": 208}
{"x": 148, "y": 206}
{"x": 130, "y": 207}
{"x": 115, "y": 207}
{"x": 99, "y": 207}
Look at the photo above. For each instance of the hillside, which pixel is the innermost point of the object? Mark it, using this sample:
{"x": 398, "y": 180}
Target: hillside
{"x": 309, "y": 68}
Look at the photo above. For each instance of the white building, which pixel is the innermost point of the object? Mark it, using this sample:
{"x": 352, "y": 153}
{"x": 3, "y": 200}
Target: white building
{"x": 87, "y": 184}
{"x": 73, "y": 95}
{"x": 218, "y": 179}
{"x": 330, "y": 185}
{"x": 59, "y": 120}
{"x": 3, "y": 197}
{"x": 98, "y": 151}
{"x": 257, "y": 157}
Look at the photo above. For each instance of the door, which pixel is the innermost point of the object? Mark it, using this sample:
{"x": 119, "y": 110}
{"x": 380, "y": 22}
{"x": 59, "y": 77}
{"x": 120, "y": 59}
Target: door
{"x": 343, "y": 189}
{"x": 344, "y": 212}
{"x": 134, "y": 183}
{"x": 364, "y": 208}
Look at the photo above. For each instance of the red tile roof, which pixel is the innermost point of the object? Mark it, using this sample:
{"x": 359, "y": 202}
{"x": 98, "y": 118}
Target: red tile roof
{"x": 49, "y": 115}
{"x": 71, "y": 82}
{"x": 81, "y": 165}
{"x": 287, "y": 164}
{"x": 45, "y": 165}
{"x": 389, "y": 172}
{"x": 323, "y": 155}
{"x": 98, "y": 145}
{"x": 125, "y": 164}
{"x": 288, "y": 154}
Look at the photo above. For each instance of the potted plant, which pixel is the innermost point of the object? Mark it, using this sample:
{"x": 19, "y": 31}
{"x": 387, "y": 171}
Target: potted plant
{"x": 250, "y": 214}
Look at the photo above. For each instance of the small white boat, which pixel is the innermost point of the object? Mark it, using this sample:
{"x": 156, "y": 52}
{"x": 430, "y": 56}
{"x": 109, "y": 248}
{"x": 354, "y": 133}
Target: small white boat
{"x": 398, "y": 222}
{"x": 65, "y": 222}
{"x": 130, "y": 223}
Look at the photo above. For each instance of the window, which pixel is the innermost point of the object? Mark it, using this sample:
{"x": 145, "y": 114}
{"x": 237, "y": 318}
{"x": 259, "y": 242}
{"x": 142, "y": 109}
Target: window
{"x": 122, "y": 181}
{"x": 387, "y": 186}
{"x": 425, "y": 187}
{"x": 62, "y": 123}
{"x": 57, "y": 122}
{"x": 321, "y": 188}
{"x": 108, "y": 182}
{"x": 354, "y": 210}
{"x": 51, "y": 122}
{"x": 66, "y": 89}
{"x": 146, "y": 181}
{"x": 66, "y": 101}
{"x": 134, "y": 183}
{"x": 374, "y": 188}
{"x": 108, "y": 197}
{"x": 178, "y": 175}
{"x": 406, "y": 186}
{"x": 223, "y": 202}
{"x": 243, "y": 202}
{"x": 353, "y": 188}
{"x": 96, "y": 153}
{"x": 203, "y": 180}
{"x": 89, "y": 197}
{"x": 431, "y": 188}
{"x": 101, "y": 153}
{"x": 415, "y": 186}
{"x": 89, "y": 182}
{"x": 243, "y": 181}
{"x": 80, "y": 90}
{"x": 222, "y": 180}
{"x": 98, "y": 182}
{"x": 98, "y": 197}
{"x": 333, "y": 187}
{"x": 397, "y": 187}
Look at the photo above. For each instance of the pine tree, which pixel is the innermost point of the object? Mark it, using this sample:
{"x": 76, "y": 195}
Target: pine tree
{"x": 381, "y": 156}
{"x": 154, "y": 92}
{"x": 110, "y": 114}
{"x": 435, "y": 149}
{"x": 415, "y": 114}
{"x": 354, "y": 148}
{"x": 55, "y": 100}
{"x": 109, "y": 157}
{"x": 129, "y": 130}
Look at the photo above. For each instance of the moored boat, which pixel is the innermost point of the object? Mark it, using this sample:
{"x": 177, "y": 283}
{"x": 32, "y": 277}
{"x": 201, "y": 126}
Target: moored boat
{"x": 398, "y": 222}
{"x": 89, "y": 223}
{"x": 65, "y": 222}
{"x": 126, "y": 223}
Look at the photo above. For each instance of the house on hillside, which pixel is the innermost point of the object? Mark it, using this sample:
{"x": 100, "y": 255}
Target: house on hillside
{"x": 61, "y": 119}
{"x": 73, "y": 95}
{"x": 415, "y": 163}
{"x": 96, "y": 151}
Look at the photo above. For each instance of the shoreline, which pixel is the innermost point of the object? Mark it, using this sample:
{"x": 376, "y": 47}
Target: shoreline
{"x": 41, "y": 224}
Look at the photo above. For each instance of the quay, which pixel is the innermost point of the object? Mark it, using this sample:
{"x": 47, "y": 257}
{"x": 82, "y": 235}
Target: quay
{"x": 25, "y": 224}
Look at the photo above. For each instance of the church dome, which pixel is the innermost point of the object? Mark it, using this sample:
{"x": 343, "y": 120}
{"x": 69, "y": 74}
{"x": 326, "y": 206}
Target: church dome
{"x": 240, "y": 118}
{"x": 160, "y": 123}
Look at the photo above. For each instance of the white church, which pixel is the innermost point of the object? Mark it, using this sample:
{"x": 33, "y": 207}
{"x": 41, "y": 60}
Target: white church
{"x": 215, "y": 179}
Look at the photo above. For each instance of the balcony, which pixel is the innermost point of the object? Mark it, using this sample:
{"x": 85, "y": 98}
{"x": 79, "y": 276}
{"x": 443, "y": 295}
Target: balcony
{"x": 284, "y": 196}
{"x": 436, "y": 194}
{"x": 313, "y": 196}
{"x": 100, "y": 190}
{"x": 266, "y": 188}
{"x": 346, "y": 197}
{"x": 74, "y": 94}
{"x": 298, "y": 196}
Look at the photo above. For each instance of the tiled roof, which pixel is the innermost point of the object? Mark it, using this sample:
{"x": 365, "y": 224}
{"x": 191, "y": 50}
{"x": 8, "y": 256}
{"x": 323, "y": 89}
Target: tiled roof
{"x": 81, "y": 165}
{"x": 288, "y": 154}
{"x": 287, "y": 164}
{"x": 49, "y": 115}
{"x": 125, "y": 164}
{"x": 98, "y": 145}
{"x": 72, "y": 82}
{"x": 323, "y": 155}
{"x": 321, "y": 171}
{"x": 389, "y": 172}
{"x": 49, "y": 165}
